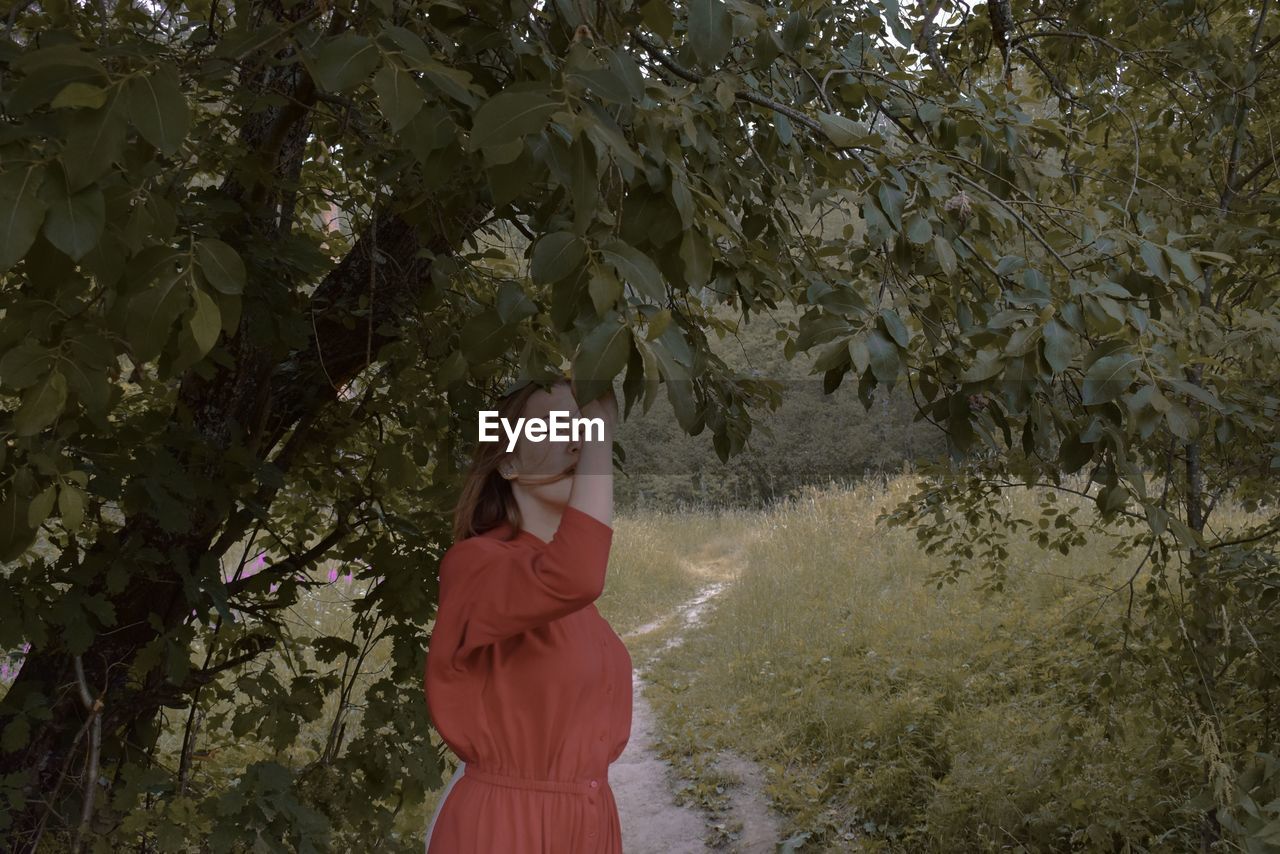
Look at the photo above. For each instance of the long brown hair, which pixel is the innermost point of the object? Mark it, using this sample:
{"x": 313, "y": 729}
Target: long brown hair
{"x": 487, "y": 500}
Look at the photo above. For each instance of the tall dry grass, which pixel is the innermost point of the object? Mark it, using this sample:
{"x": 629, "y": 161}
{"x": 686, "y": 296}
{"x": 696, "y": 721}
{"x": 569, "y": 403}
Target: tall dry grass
{"x": 892, "y": 715}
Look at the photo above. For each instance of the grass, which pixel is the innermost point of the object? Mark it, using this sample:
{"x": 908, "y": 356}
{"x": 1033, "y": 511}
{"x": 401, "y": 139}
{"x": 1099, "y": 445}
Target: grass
{"x": 892, "y": 716}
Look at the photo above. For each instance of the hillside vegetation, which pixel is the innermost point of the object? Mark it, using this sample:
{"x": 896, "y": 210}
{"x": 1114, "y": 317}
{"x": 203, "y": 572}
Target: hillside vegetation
{"x": 812, "y": 438}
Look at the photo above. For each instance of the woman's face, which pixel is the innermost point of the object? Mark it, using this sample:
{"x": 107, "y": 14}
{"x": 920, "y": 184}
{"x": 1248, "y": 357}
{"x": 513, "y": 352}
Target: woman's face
{"x": 543, "y": 469}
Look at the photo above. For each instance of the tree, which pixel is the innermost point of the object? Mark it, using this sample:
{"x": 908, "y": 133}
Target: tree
{"x": 1148, "y": 257}
{"x": 530, "y": 185}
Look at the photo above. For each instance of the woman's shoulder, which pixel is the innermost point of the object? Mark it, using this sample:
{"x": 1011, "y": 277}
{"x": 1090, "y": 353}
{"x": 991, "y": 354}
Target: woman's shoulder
{"x": 464, "y": 559}
{"x": 486, "y": 543}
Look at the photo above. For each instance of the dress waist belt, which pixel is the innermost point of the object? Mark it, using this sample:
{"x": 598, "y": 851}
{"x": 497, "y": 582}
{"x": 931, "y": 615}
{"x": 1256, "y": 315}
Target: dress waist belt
{"x": 584, "y": 787}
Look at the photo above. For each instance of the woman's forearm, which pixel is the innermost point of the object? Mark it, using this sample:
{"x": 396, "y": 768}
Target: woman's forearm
{"x": 593, "y": 480}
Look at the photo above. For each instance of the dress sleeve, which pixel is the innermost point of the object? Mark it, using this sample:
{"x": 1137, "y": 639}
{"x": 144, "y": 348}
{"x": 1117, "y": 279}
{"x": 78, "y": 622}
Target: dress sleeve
{"x": 497, "y": 591}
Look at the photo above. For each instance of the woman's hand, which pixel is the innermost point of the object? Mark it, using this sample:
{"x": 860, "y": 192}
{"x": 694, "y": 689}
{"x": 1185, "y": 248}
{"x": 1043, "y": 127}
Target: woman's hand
{"x": 604, "y": 407}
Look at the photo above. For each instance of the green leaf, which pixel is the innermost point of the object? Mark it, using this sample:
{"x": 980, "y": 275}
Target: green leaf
{"x": 1059, "y": 346}
{"x": 453, "y": 82}
{"x": 556, "y": 255}
{"x": 1181, "y": 422}
{"x": 683, "y": 200}
{"x": 844, "y": 300}
{"x": 634, "y": 383}
{"x": 221, "y": 265}
{"x": 878, "y": 228}
{"x": 658, "y": 324}
{"x": 329, "y": 649}
{"x": 1157, "y": 518}
{"x": 819, "y": 327}
{"x": 16, "y": 734}
{"x": 484, "y": 337}
{"x": 71, "y": 502}
{"x": 15, "y": 536}
{"x": 1185, "y": 533}
{"x": 605, "y": 82}
{"x": 859, "y": 353}
{"x": 652, "y": 375}
{"x": 566, "y": 298}
{"x": 34, "y": 90}
{"x": 41, "y": 506}
{"x": 1073, "y": 454}
{"x": 1109, "y": 376}
{"x": 842, "y": 131}
{"x": 344, "y": 61}
{"x": 152, "y": 313}
{"x": 1219, "y": 257}
{"x": 834, "y": 355}
{"x": 676, "y": 344}
{"x": 895, "y": 327}
{"x": 891, "y": 201}
{"x": 25, "y": 364}
{"x": 205, "y": 322}
{"x": 508, "y": 116}
{"x": 22, "y": 212}
{"x": 710, "y": 31}
{"x": 626, "y": 69}
{"x": 1112, "y": 289}
{"x": 919, "y": 230}
{"x": 987, "y": 364}
{"x": 635, "y": 268}
{"x": 452, "y": 369}
{"x": 399, "y": 96}
{"x": 508, "y": 180}
{"x": 766, "y": 50}
{"x": 679, "y": 385}
{"x": 604, "y": 130}
{"x": 80, "y": 94}
{"x": 1185, "y": 263}
{"x": 1201, "y": 393}
{"x": 657, "y": 17}
{"x": 1155, "y": 260}
{"x": 959, "y": 425}
{"x": 585, "y": 183}
{"x": 1010, "y": 264}
{"x": 1110, "y": 499}
{"x": 945, "y": 253}
{"x": 95, "y": 141}
{"x": 795, "y": 29}
{"x": 513, "y": 303}
{"x": 695, "y": 253}
{"x": 885, "y": 363}
{"x": 74, "y": 223}
{"x": 604, "y": 288}
{"x": 41, "y": 405}
{"x": 601, "y": 356}
{"x": 158, "y": 108}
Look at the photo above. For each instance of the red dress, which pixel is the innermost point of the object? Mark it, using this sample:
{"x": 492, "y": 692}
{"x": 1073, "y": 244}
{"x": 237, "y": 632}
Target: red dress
{"x": 531, "y": 687}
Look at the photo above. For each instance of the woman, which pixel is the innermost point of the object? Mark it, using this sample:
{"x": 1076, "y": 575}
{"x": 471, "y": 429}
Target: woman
{"x": 525, "y": 680}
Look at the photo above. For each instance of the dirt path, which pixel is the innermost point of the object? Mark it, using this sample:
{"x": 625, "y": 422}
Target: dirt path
{"x": 652, "y": 822}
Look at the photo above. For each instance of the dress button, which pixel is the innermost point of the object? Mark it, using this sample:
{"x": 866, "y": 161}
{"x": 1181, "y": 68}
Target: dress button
{"x": 595, "y": 784}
